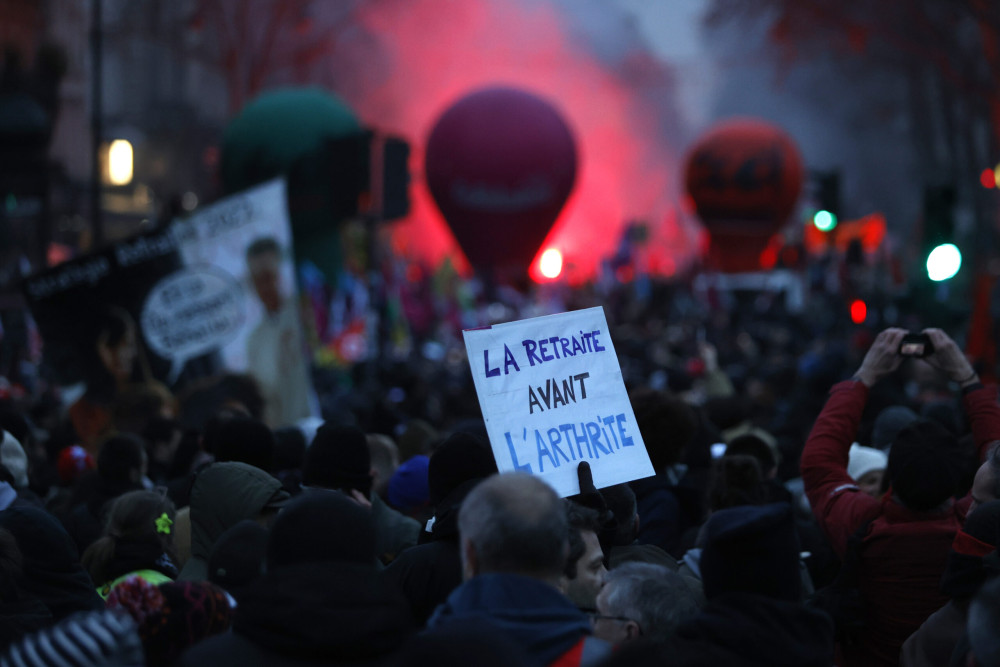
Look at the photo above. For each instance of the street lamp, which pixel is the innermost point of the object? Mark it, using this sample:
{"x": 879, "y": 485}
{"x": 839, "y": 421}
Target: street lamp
{"x": 120, "y": 162}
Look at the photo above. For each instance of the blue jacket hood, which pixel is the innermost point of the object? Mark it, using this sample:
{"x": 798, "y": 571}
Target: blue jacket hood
{"x": 532, "y": 613}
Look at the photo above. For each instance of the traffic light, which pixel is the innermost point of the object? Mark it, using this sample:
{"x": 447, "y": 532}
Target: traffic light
{"x": 824, "y": 220}
{"x": 827, "y": 192}
{"x": 859, "y": 311}
{"x": 943, "y": 257}
{"x": 943, "y": 262}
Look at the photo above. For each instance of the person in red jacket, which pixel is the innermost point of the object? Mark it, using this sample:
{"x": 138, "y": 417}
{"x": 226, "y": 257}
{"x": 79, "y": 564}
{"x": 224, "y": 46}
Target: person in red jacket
{"x": 911, "y": 528}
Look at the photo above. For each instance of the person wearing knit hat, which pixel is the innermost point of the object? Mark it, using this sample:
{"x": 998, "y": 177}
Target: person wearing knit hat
{"x": 338, "y": 459}
{"x": 106, "y": 638}
{"x": 866, "y": 466}
{"x": 460, "y": 458}
{"x": 237, "y": 558}
{"x": 324, "y": 526}
{"x": 247, "y": 440}
{"x": 408, "y": 486}
{"x": 172, "y": 616}
{"x": 934, "y": 643}
{"x": 751, "y": 580}
{"x": 321, "y": 600}
{"x": 72, "y": 463}
{"x": 752, "y": 549}
{"x": 430, "y": 571}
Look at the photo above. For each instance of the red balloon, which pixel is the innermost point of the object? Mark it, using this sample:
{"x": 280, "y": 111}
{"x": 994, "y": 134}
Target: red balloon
{"x": 744, "y": 177}
{"x": 500, "y": 164}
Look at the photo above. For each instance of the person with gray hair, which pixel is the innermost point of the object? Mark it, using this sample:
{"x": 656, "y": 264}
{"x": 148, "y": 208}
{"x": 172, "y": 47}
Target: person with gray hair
{"x": 986, "y": 486}
{"x": 984, "y": 619}
{"x": 643, "y": 600}
{"x": 514, "y": 542}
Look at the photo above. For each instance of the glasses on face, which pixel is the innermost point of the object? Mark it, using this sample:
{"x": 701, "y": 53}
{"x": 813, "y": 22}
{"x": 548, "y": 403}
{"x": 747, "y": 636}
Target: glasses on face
{"x": 595, "y": 617}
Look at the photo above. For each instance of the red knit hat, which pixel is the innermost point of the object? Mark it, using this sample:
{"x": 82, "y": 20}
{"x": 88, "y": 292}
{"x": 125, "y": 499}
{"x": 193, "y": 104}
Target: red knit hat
{"x": 72, "y": 463}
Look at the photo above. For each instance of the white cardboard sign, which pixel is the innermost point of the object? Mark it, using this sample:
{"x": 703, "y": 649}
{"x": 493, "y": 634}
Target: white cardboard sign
{"x": 552, "y": 395}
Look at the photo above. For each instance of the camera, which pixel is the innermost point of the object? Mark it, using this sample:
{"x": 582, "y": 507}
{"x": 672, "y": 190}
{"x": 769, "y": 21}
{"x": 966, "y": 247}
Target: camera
{"x": 916, "y": 345}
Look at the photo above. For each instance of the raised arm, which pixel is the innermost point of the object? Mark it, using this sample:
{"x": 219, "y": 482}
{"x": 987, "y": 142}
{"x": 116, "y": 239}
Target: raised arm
{"x": 836, "y": 501}
{"x": 980, "y": 402}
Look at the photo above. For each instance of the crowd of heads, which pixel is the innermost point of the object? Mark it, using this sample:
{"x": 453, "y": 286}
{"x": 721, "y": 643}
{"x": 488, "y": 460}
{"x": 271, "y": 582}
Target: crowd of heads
{"x": 187, "y": 531}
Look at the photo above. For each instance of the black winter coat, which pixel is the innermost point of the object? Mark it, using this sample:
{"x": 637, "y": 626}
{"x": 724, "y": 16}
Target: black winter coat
{"x": 313, "y": 613}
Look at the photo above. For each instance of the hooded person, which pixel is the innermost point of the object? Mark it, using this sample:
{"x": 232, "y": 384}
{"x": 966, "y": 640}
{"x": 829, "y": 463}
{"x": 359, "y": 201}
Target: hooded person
{"x": 934, "y": 643}
{"x": 338, "y": 459}
{"x": 51, "y": 563}
{"x": 321, "y": 599}
{"x": 427, "y": 573}
{"x": 223, "y": 494}
{"x": 750, "y": 573}
{"x": 514, "y": 536}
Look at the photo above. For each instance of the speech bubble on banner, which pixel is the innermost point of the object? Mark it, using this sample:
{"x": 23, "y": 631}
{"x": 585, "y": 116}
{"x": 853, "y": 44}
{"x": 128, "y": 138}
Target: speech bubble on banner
{"x": 191, "y": 312}
{"x": 552, "y": 395}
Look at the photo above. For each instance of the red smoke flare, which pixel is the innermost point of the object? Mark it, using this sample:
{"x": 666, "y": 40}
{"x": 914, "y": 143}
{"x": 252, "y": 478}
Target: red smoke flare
{"x": 433, "y": 52}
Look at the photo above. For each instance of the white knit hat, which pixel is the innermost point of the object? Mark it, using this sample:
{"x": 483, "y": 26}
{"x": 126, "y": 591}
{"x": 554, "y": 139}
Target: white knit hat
{"x": 863, "y": 460}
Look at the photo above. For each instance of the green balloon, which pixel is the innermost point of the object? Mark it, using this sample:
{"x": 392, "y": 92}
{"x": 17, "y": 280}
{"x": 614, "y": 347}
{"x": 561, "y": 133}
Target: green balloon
{"x": 286, "y": 132}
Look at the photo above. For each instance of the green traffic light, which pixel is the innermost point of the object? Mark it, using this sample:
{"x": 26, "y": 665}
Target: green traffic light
{"x": 944, "y": 262}
{"x": 824, "y": 220}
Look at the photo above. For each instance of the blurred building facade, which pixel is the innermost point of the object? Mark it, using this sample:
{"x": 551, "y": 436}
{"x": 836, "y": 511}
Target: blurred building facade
{"x": 158, "y": 92}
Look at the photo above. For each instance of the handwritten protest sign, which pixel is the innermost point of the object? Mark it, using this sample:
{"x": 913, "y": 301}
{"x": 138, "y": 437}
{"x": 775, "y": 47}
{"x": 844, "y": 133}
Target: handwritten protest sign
{"x": 552, "y": 396}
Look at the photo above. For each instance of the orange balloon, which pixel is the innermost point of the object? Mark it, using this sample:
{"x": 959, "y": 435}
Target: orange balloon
{"x": 744, "y": 177}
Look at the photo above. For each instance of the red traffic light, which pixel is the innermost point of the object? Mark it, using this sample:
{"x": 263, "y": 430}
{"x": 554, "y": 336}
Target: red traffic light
{"x": 988, "y": 179}
{"x": 859, "y": 311}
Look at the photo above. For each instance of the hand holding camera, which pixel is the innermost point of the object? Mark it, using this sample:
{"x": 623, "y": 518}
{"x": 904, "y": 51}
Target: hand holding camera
{"x": 934, "y": 346}
{"x": 949, "y": 359}
{"x": 883, "y": 356}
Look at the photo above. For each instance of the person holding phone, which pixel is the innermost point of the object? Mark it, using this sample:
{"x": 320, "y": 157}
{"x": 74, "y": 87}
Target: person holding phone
{"x": 908, "y": 532}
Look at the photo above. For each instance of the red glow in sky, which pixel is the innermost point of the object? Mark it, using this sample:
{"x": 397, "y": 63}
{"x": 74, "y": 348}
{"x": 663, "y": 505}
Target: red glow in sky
{"x": 436, "y": 51}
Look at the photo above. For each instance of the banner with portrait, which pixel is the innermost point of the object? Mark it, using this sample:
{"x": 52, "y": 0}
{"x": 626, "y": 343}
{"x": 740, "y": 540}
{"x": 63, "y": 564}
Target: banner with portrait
{"x": 206, "y": 295}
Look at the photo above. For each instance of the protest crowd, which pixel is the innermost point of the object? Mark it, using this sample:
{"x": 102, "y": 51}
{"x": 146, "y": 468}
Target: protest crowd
{"x": 820, "y": 497}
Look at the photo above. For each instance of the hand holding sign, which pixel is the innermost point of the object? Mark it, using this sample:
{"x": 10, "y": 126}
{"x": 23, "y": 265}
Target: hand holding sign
{"x": 552, "y": 396}
{"x": 191, "y": 312}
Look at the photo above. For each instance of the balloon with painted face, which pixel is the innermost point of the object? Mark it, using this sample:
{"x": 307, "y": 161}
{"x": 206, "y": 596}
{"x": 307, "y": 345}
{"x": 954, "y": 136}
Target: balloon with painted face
{"x": 744, "y": 177}
{"x": 500, "y": 164}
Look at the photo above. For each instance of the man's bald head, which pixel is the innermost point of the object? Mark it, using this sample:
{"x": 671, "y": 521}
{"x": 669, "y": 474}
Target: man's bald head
{"x": 515, "y": 524}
